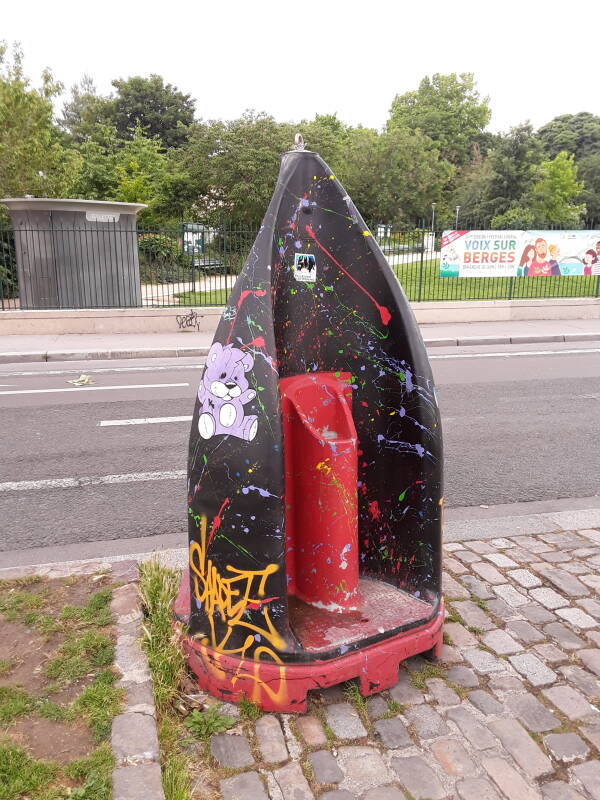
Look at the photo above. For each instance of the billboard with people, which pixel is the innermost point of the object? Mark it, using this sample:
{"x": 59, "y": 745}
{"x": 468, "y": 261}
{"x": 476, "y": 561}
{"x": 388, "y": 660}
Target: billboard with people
{"x": 527, "y": 254}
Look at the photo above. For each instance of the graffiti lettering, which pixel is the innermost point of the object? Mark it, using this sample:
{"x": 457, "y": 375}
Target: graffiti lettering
{"x": 230, "y": 597}
{"x": 190, "y": 320}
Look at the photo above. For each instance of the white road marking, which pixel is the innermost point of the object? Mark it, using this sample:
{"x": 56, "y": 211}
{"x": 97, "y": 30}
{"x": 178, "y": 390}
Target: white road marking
{"x": 517, "y": 353}
{"x": 107, "y": 423}
{"x": 158, "y": 368}
{"x": 102, "y": 480}
{"x": 200, "y": 363}
{"x": 97, "y": 388}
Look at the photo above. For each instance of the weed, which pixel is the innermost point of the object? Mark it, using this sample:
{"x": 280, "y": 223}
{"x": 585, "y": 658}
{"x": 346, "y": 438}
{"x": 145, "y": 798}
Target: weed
{"x": 420, "y": 677}
{"x": 95, "y": 773}
{"x": 481, "y": 603}
{"x": 158, "y": 588}
{"x": 475, "y": 630}
{"x": 202, "y": 724}
{"x": 99, "y": 703}
{"x": 175, "y": 776}
{"x": 79, "y": 655}
{"x": 353, "y": 695}
{"x": 461, "y": 691}
{"x": 453, "y": 616}
{"x": 394, "y": 708}
{"x": 447, "y": 639}
{"x": 248, "y": 709}
{"x": 329, "y": 734}
{"x": 20, "y": 774}
{"x": 5, "y": 666}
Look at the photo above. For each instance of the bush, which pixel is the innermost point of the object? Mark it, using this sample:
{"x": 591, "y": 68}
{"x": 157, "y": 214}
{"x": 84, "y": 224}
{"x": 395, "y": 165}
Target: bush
{"x": 162, "y": 259}
{"x": 9, "y": 284}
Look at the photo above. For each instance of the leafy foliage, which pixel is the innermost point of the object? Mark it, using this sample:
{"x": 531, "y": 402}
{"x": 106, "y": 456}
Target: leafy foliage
{"x": 142, "y": 144}
{"x": 448, "y": 109}
{"x": 32, "y": 157}
{"x": 202, "y": 724}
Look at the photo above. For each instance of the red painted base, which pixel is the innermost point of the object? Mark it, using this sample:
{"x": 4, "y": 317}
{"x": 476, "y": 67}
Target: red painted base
{"x": 284, "y": 687}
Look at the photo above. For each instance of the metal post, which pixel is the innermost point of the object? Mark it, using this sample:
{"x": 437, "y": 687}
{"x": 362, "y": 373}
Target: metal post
{"x": 456, "y": 223}
{"x": 421, "y": 266}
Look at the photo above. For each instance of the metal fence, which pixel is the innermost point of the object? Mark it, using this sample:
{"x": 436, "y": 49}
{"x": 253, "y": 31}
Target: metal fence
{"x": 197, "y": 265}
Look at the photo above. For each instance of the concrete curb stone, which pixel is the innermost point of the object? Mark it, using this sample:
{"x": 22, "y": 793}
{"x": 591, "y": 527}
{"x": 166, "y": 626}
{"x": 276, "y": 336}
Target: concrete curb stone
{"x": 188, "y": 352}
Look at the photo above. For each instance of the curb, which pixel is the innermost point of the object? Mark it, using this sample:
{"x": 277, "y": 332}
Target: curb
{"x": 134, "y": 736}
{"x": 195, "y": 352}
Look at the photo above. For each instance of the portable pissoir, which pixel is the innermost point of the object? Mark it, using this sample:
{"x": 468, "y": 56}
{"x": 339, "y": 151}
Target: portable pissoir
{"x": 315, "y": 465}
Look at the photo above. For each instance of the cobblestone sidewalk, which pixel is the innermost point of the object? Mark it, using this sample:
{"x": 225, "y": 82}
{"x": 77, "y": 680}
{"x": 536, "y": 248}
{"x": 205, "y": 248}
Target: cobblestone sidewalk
{"x": 511, "y": 711}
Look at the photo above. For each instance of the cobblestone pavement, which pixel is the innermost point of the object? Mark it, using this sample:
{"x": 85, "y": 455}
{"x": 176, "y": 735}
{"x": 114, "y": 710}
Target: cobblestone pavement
{"x": 511, "y": 710}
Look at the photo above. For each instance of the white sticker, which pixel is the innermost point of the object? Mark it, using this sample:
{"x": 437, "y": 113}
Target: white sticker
{"x": 92, "y": 216}
{"x": 305, "y": 267}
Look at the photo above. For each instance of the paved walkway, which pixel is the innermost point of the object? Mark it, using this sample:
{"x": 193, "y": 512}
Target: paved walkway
{"x": 512, "y": 710}
{"x": 70, "y": 346}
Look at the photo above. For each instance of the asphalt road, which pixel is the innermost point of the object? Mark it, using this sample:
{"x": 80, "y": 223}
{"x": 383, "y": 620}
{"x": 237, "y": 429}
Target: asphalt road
{"x": 517, "y": 428}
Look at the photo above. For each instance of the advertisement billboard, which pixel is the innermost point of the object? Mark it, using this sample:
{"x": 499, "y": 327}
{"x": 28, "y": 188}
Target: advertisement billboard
{"x": 494, "y": 254}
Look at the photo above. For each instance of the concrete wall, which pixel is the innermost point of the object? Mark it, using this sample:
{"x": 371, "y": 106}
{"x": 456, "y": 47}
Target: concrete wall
{"x": 193, "y": 320}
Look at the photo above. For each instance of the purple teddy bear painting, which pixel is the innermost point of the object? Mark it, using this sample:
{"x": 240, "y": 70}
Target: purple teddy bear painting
{"x": 223, "y": 393}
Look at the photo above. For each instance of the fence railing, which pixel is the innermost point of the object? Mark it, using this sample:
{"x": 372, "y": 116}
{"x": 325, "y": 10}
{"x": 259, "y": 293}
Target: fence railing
{"x": 197, "y": 265}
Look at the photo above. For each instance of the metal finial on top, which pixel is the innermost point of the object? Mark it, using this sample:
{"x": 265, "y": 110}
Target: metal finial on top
{"x": 299, "y": 142}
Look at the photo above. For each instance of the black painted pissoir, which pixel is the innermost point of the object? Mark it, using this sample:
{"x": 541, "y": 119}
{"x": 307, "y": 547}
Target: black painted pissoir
{"x": 315, "y": 464}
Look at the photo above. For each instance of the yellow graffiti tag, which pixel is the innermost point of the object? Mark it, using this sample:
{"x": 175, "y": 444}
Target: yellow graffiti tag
{"x": 230, "y": 598}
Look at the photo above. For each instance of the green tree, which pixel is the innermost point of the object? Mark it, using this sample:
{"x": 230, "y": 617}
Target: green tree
{"x": 32, "y": 157}
{"x": 97, "y": 178}
{"x": 328, "y": 136}
{"x": 231, "y": 167}
{"x": 84, "y": 112}
{"x": 554, "y": 192}
{"x": 140, "y": 169}
{"x": 446, "y": 108}
{"x": 578, "y": 134}
{"x": 394, "y": 176}
{"x": 588, "y": 169}
{"x": 550, "y": 199}
{"x": 160, "y": 109}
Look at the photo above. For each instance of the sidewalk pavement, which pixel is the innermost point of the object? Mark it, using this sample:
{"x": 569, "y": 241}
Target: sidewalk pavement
{"x": 75, "y": 346}
{"x": 510, "y": 712}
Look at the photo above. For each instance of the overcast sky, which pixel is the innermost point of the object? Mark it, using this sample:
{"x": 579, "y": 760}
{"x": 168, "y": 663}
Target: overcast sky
{"x": 534, "y": 59}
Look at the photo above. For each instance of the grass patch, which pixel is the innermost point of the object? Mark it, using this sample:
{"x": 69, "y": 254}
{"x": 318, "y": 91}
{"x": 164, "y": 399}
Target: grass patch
{"x": 5, "y": 666}
{"x": 420, "y": 677}
{"x": 79, "y": 656}
{"x": 422, "y": 281}
{"x": 14, "y": 703}
{"x": 20, "y": 775}
{"x": 202, "y": 724}
{"x": 99, "y": 703}
{"x": 481, "y": 603}
{"x": 18, "y": 703}
{"x": 176, "y": 774}
{"x": 94, "y": 772}
{"x": 158, "y": 588}
{"x": 15, "y": 603}
{"x": 95, "y": 612}
{"x": 216, "y": 297}
{"x": 248, "y": 709}
{"x": 447, "y": 639}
